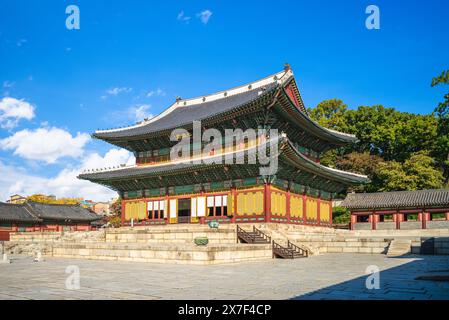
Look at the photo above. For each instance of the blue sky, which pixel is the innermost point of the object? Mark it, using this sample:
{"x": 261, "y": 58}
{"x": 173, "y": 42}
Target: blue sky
{"x": 131, "y": 59}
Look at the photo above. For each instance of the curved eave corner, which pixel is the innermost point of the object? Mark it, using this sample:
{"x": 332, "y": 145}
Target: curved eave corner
{"x": 343, "y": 176}
{"x": 331, "y": 134}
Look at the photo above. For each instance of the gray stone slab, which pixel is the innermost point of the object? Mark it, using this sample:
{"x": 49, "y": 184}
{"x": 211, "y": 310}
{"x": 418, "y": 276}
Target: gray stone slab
{"x": 330, "y": 276}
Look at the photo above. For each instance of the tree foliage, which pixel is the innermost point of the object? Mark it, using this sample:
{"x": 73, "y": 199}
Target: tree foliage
{"x": 396, "y": 150}
{"x": 442, "y": 112}
{"x": 115, "y": 219}
{"x": 41, "y": 198}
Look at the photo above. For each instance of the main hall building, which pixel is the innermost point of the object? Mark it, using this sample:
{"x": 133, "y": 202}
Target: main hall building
{"x": 161, "y": 190}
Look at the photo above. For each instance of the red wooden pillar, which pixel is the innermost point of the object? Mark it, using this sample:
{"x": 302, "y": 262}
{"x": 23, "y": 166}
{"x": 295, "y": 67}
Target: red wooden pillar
{"x": 267, "y": 202}
{"x": 425, "y": 217}
{"x": 287, "y": 207}
{"x": 123, "y": 212}
{"x": 304, "y": 208}
{"x": 353, "y": 221}
{"x": 331, "y": 208}
{"x": 447, "y": 215}
{"x": 375, "y": 219}
{"x": 318, "y": 210}
{"x": 166, "y": 210}
{"x": 397, "y": 218}
{"x": 234, "y": 203}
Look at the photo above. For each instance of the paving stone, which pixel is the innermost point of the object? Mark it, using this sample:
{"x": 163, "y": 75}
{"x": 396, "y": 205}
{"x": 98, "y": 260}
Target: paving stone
{"x": 330, "y": 276}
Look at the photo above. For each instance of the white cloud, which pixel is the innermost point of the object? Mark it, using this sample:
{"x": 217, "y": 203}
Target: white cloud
{"x": 12, "y": 110}
{"x": 65, "y": 183}
{"x": 116, "y": 91}
{"x": 182, "y": 17}
{"x": 45, "y": 144}
{"x": 159, "y": 93}
{"x": 8, "y": 84}
{"x": 140, "y": 112}
{"x": 21, "y": 42}
{"x": 204, "y": 16}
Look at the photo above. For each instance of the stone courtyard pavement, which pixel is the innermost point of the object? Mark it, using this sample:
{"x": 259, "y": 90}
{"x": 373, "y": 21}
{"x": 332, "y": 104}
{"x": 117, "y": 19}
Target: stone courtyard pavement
{"x": 331, "y": 276}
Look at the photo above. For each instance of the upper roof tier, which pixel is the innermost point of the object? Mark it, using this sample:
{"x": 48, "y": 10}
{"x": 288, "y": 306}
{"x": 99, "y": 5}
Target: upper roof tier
{"x": 224, "y": 103}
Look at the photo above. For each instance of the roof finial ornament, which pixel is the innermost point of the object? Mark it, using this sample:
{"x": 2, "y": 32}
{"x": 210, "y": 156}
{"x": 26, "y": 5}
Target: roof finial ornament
{"x": 178, "y": 98}
{"x": 287, "y": 67}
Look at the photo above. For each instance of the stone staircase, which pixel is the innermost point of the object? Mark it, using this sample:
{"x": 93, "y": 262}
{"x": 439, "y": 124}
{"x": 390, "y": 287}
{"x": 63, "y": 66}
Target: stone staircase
{"x": 399, "y": 247}
{"x": 291, "y": 251}
{"x": 281, "y": 246}
{"x": 254, "y": 237}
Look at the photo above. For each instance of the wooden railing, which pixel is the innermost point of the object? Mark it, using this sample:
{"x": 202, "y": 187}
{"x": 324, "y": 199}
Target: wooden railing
{"x": 294, "y": 247}
{"x": 281, "y": 251}
{"x": 244, "y": 235}
{"x": 266, "y": 237}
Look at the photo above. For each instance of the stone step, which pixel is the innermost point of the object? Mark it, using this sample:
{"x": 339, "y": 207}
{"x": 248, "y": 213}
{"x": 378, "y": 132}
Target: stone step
{"x": 399, "y": 247}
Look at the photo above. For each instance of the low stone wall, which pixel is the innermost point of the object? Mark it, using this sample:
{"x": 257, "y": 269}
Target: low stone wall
{"x": 176, "y": 254}
{"x": 389, "y": 225}
{"x": 67, "y": 236}
{"x": 410, "y": 225}
{"x": 346, "y": 245}
{"x": 437, "y": 224}
{"x": 215, "y": 236}
{"x": 363, "y": 226}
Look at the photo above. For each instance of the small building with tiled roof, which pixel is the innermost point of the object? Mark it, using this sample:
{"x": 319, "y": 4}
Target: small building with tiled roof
{"x": 420, "y": 209}
{"x": 33, "y": 216}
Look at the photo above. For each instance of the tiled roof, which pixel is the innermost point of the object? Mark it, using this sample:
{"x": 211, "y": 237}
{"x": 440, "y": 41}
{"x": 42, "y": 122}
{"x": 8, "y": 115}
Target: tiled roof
{"x": 36, "y": 212}
{"x": 184, "y": 115}
{"x": 160, "y": 169}
{"x": 398, "y": 199}
{"x": 62, "y": 212}
{"x": 16, "y": 212}
{"x": 184, "y": 112}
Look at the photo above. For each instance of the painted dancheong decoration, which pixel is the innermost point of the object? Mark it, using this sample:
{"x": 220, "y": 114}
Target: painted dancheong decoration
{"x": 160, "y": 190}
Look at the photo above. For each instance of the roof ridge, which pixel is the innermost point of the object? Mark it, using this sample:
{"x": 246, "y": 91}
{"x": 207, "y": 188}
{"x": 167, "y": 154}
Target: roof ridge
{"x": 30, "y": 210}
{"x": 398, "y": 191}
{"x": 55, "y": 204}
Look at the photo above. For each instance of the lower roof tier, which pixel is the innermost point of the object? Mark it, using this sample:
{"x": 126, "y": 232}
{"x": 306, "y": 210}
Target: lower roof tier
{"x": 291, "y": 166}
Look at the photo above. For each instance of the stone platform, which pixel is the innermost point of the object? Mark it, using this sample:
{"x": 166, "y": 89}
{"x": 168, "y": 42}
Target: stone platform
{"x": 175, "y": 243}
{"x": 161, "y": 244}
{"x": 168, "y": 253}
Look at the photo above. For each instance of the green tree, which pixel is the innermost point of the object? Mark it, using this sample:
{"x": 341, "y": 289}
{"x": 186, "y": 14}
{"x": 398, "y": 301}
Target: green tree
{"x": 362, "y": 163}
{"x": 417, "y": 172}
{"x": 442, "y": 111}
{"x": 330, "y": 113}
{"x": 115, "y": 219}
